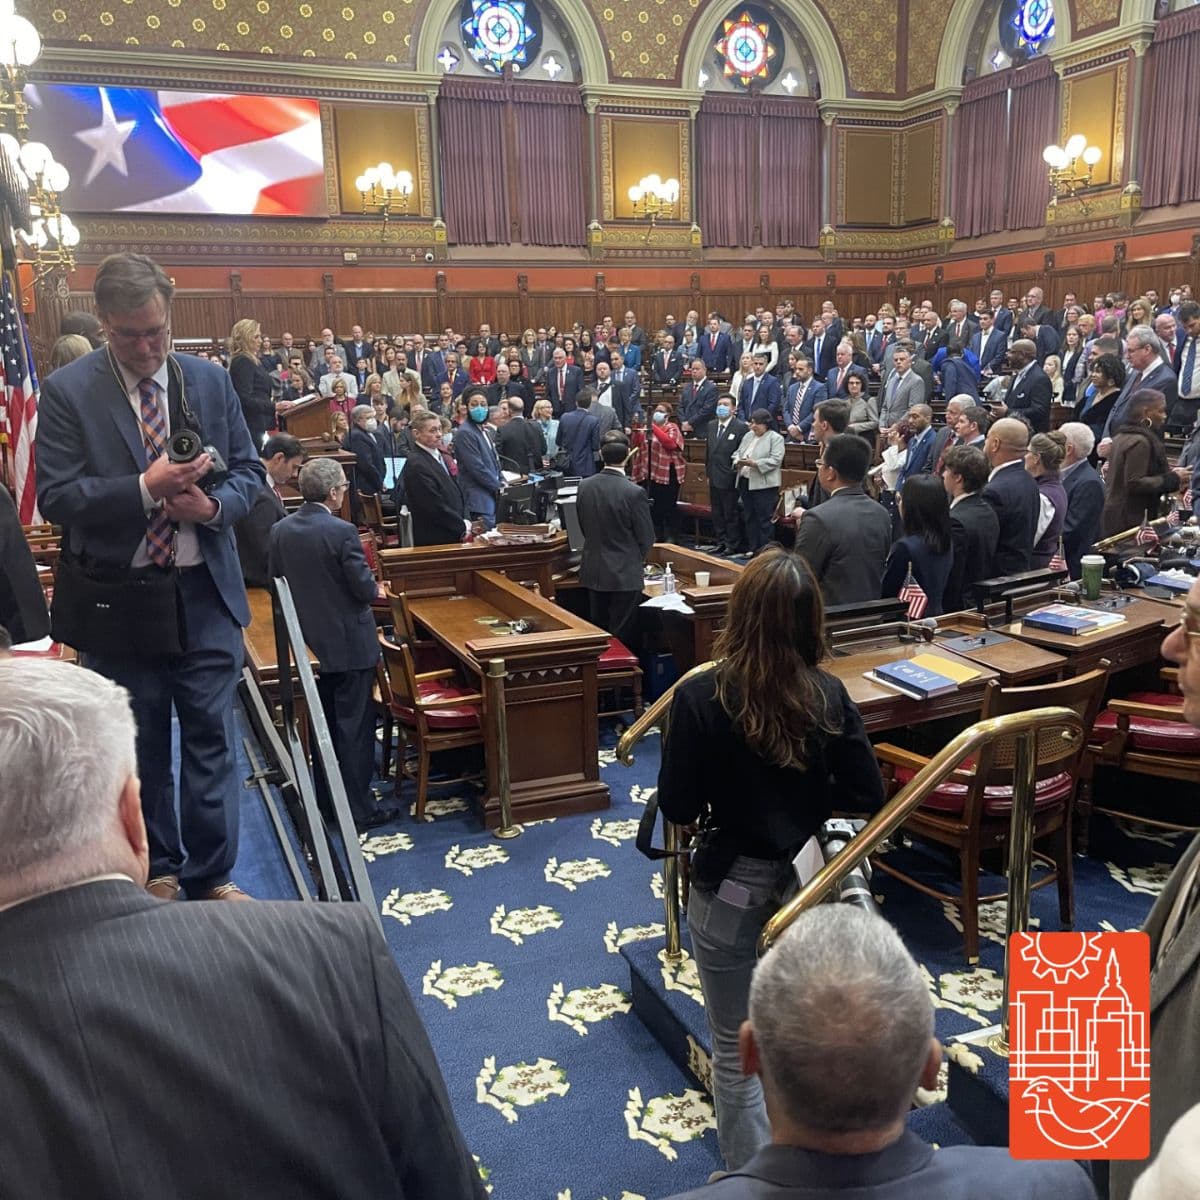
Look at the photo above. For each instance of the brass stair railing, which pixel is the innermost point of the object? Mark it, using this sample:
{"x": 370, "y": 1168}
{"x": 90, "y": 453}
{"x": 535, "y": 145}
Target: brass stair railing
{"x": 1024, "y": 727}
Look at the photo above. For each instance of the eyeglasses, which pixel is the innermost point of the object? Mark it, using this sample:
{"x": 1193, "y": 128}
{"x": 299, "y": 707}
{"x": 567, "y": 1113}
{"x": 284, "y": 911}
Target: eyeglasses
{"x": 1189, "y": 624}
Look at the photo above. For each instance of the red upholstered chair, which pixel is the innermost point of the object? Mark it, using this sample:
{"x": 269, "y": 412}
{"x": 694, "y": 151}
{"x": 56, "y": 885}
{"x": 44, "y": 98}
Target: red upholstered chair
{"x": 618, "y": 671}
{"x": 380, "y": 606}
{"x": 1145, "y": 733}
{"x": 970, "y": 811}
{"x": 384, "y": 528}
{"x": 433, "y": 711}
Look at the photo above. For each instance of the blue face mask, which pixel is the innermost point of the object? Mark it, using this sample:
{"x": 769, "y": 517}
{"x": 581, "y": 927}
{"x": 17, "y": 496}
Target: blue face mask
{"x": 660, "y": 418}
{"x": 478, "y": 413}
{"x": 722, "y": 411}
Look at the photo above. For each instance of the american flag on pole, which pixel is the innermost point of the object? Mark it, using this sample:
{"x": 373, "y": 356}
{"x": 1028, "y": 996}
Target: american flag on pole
{"x": 20, "y": 393}
{"x": 1146, "y": 535}
{"x": 1058, "y": 561}
{"x": 913, "y": 594}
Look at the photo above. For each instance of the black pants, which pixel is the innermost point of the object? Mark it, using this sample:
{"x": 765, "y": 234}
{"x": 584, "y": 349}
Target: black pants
{"x": 758, "y": 506}
{"x": 617, "y": 613}
{"x": 663, "y": 499}
{"x": 726, "y": 520}
{"x": 346, "y": 701}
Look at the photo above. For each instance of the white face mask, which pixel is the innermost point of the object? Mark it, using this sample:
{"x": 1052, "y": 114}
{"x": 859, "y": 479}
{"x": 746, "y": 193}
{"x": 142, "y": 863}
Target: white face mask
{"x": 372, "y": 424}
{"x": 447, "y": 439}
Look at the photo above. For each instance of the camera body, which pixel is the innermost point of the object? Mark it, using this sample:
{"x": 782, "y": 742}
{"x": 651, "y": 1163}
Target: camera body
{"x": 186, "y": 445}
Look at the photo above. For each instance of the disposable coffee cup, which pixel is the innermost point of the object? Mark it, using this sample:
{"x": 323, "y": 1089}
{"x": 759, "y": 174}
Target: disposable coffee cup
{"x": 1092, "y": 569}
{"x": 702, "y": 578}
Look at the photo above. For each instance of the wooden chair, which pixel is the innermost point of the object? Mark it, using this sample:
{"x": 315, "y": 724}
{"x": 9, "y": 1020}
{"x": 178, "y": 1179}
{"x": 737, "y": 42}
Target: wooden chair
{"x": 970, "y": 812}
{"x": 433, "y": 712}
{"x": 427, "y": 654}
{"x": 618, "y": 671}
{"x": 384, "y": 528}
{"x": 379, "y": 606}
{"x": 1144, "y": 734}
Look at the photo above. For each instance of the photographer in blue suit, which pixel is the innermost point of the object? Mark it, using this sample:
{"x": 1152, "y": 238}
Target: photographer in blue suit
{"x": 149, "y": 588}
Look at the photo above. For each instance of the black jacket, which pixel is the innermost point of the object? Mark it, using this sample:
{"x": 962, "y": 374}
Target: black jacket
{"x": 22, "y": 602}
{"x": 253, "y": 534}
{"x": 721, "y": 449}
{"x": 1029, "y": 398}
{"x": 846, "y": 541}
{"x": 1085, "y": 502}
{"x": 521, "y": 445}
{"x": 369, "y": 467}
{"x": 1014, "y": 494}
{"x": 252, "y": 382}
{"x": 974, "y": 532}
{"x": 614, "y": 514}
{"x": 434, "y": 500}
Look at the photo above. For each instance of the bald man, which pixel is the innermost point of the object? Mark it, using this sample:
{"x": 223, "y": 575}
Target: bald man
{"x": 1013, "y": 493}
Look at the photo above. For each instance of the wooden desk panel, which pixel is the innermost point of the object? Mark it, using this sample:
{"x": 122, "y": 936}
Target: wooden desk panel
{"x": 691, "y": 637}
{"x": 882, "y": 708}
{"x": 1017, "y": 663}
{"x": 550, "y": 693}
{"x": 259, "y": 639}
{"x": 447, "y": 570}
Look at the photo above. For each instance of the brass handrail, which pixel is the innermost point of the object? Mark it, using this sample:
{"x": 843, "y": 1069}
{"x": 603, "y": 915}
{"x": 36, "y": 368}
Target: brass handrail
{"x": 652, "y": 715}
{"x": 893, "y": 814}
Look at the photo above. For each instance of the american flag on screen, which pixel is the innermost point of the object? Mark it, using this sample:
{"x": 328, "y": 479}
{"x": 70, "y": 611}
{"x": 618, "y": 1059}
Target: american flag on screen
{"x": 913, "y": 594}
{"x": 20, "y": 395}
{"x": 137, "y": 150}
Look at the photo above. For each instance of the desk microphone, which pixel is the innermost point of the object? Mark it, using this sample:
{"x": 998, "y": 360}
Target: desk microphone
{"x": 920, "y": 631}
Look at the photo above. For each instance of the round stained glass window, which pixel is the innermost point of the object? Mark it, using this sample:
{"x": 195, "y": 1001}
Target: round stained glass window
{"x": 495, "y": 32}
{"x": 748, "y": 48}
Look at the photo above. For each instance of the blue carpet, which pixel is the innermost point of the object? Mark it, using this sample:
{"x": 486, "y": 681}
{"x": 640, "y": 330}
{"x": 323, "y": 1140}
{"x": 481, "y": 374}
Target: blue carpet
{"x": 513, "y": 952}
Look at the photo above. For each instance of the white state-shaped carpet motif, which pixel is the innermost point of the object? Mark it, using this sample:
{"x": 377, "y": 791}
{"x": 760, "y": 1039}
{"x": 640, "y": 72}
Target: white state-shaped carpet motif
{"x": 456, "y": 983}
{"x": 1143, "y": 881}
{"x": 614, "y": 939}
{"x": 970, "y": 993}
{"x": 670, "y": 1118}
{"x": 439, "y": 806}
{"x": 524, "y": 922}
{"x": 681, "y": 976}
{"x": 614, "y": 832}
{"x": 519, "y": 1085}
{"x": 405, "y": 906}
{"x": 700, "y": 1063}
{"x": 475, "y": 858}
{"x": 657, "y": 889}
{"x": 639, "y": 794}
{"x": 993, "y": 918}
{"x": 574, "y": 871}
{"x": 389, "y": 843}
{"x": 585, "y": 1005}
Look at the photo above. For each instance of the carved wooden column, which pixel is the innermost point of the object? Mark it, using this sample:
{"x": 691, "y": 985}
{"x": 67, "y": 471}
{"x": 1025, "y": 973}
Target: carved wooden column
{"x": 1133, "y": 140}
{"x": 827, "y": 136}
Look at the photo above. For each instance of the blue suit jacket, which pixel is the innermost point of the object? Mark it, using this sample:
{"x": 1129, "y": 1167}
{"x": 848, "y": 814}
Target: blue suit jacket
{"x": 1085, "y": 503}
{"x": 579, "y": 436}
{"x": 769, "y": 396}
{"x": 994, "y": 348}
{"x": 90, "y": 454}
{"x": 322, "y": 558}
{"x": 918, "y": 458}
{"x": 815, "y": 395}
{"x": 478, "y": 468}
{"x": 716, "y": 358}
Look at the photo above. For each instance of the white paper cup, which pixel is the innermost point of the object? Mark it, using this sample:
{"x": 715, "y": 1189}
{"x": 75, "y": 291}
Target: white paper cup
{"x": 702, "y": 578}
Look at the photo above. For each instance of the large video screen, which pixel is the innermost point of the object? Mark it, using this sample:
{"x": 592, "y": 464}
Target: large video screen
{"x": 137, "y": 150}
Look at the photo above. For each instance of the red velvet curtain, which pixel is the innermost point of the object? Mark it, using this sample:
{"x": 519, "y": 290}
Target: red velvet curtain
{"x": 789, "y": 172}
{"x": 726, "y": 154}
{"x": 550, "y": 125}
{"x": 1033, "y": 125}
{"x": 1170, "y": 145}
{"x": 980, "y": 135}
{"x": 475, "y": 167}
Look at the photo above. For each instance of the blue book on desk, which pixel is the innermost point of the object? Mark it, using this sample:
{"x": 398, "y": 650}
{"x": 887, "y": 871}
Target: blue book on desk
{"x": 907, "y": 676}
{"x": 1175, "y": 581}
{"x": 1062, "y": 618}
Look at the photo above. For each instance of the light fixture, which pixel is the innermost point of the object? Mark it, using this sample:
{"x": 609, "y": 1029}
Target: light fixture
{"x": 52, "y": 236}
{"x": 1071, "y": 168}
{"x": 20, "y": 48}
{"x": 653, "y": 197}
{"x": 381, "y": 187}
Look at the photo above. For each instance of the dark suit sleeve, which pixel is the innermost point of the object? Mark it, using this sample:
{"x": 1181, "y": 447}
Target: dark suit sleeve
{"x": 417, "y": 1122}
{"x": 850, "y": 757}
{"x": 358, "y": 575}
{"x": 895, "y": 570}
{"x": 1084, "y": 506}
{"x": 643, "y": 522}
{"x": 246, "y": 473}
{"x": 253, "y": 540}
{"x": 681, "y": 772}
{"x": 812, "y": 543}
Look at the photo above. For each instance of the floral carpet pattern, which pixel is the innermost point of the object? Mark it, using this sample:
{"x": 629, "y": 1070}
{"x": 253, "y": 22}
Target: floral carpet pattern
{"x": 511, "y": 950}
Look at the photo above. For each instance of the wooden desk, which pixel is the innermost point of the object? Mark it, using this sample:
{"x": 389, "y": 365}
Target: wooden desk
{"x": 259, "y": 640}
{"x": 1017, "y": 663}
{"x": 1135, "y": 641}
{"x": 691, "y": 638}
{"x": 882, "y": 708}
{"x": 447, "y": 570}
{"x": 550, "y": 693}
{"x": 797, "y": 456}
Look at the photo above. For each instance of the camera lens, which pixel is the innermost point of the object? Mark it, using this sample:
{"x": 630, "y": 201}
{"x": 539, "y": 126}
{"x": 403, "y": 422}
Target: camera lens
{"x": 183, "y": 446}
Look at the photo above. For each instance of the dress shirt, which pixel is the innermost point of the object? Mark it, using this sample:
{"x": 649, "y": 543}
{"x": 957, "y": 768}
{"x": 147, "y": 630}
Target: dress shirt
{"x": 1016, "y": 462}
{"x": 187, "y": 546}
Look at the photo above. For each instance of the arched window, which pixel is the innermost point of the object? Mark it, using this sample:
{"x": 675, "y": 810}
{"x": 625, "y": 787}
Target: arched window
{"x": 1008, "y": 33}
{"x": 482, "y": 37}
{"x": 753, "y": 47}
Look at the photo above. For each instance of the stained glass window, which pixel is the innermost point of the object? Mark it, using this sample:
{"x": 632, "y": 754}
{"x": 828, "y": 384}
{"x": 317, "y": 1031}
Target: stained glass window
{"x": 496, "y": 32}
{"x": 749, "y": 48}
{"x": 1025, "y": 26}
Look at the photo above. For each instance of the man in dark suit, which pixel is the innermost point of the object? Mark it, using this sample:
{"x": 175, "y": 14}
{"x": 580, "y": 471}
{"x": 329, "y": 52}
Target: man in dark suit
{"x": 1085, "y": 495}
{"x": 520, "y": 442}
{"x": 974, "y": 526}
{"x": 434, "y": 499}
{"x": 618, "y": 531}
{"x": 745, "y": 342}
{"x": 846, "y": 539}
{"x": 988, "y": 344}
{"x": 307, "y": 1071}
{"x": 1014, "y": 494}
{"x": 918, "y": 457}
{"x": 1034, "y": 308}
{"x": 821, "y": 347}
{"x": 947, "y": 436}
{"x": 614, "y": 394}
{"x": 22, "y": 601}
{"x": 1147, "y": 369}
{"x": 1044, "y": 338}
{"x": 281, "y": 457}
{"x": 803, "y": 396}
{"x": 321, "y": 557}
{"x": 716, "y": 349}
{"x": 666, "y": 367}
{"x": 687, "y": 330}
{"x": 129, "y": 511}
{"x": 478, "y": 464}
{"x": 837, "y": 1128}
{"x": 356, "y": 347}
{"x": 579, "y": 435}
{"x": 697, "y": 401}
{"x": 843, "y": 368}
{"x": 1029, "y": 392}
{"x": 486, "y": 343}
{"x": 760, "y": 391}
{"x": 724, "y": 435}
{"x": 508, "y": 388}
{"x": 562, "y": 383}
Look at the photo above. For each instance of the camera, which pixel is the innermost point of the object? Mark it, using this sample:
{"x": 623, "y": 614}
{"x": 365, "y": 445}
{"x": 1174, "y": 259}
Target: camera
{"x": 186, "y": 445}
{"x": 429, "y": 256}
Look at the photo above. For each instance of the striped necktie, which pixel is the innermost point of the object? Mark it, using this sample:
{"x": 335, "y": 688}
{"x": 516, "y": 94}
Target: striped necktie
{"x": 159, "y": 533}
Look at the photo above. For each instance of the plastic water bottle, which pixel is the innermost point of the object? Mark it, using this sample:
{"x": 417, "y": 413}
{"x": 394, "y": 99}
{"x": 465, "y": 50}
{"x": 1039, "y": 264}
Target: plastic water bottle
{"x": 668, "y": 580}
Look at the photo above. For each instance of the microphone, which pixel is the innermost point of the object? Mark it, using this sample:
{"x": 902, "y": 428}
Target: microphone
{"x": 920, "y": 631}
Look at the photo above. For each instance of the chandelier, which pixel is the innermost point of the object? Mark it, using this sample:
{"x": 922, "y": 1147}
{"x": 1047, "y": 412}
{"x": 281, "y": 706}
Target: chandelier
{"x": 381, "y": 187}
{"x": 1071, "y": 168}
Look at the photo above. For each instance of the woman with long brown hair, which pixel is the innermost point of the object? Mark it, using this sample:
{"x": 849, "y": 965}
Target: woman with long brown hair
{"x": 755, "y": 751}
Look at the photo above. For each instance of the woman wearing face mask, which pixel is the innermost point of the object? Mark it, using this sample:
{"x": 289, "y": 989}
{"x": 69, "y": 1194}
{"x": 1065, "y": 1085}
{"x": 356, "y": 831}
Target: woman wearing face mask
{"x": 370, "y": 468}
{"x": 666, "y": 468}
{"x": 478, "y": 463}
{"x": 758, "y": 460}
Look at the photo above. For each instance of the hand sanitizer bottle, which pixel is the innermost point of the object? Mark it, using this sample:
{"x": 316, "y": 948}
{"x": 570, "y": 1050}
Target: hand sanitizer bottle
{"x": 668, "y": 580}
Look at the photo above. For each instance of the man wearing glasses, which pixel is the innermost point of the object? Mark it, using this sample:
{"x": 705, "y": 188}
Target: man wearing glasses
{"x": 150, "y": 589}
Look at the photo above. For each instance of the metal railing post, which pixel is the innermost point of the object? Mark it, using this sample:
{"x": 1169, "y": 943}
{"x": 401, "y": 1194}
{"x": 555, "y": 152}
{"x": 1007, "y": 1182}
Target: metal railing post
{"x": 1020, "y": 861}
{"x": 671, "y": 889}
{"x": 493, "y": 682}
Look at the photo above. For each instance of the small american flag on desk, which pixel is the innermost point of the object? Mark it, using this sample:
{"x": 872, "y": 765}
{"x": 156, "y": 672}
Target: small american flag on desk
{"x": 20, "y": 395}
{"x": 1058, "y": 561}
{"x": 1146, "y": 535}
{"x": 914, "y": 596}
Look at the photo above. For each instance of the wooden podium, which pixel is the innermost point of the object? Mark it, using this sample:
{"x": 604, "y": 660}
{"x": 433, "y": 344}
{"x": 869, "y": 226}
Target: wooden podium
{"x": 307, "y": 419}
